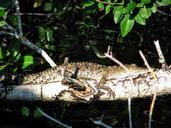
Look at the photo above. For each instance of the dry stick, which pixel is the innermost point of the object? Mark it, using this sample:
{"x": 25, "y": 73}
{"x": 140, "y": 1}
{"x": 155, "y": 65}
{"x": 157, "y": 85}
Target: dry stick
{"x": 28, "y": 43}
{"x": 151, "y": 109}
{"x": 109, "y": 3}
{"x": 155, "y": 94}
{"x": 99, "y": 122}
{"x": 163, "y": 62}
{"x": 96, "y": 51}
{"x": 3, "y": 33}
{"x": 110, "y": 56}
{"x": 162, "y": 12}
{"x": 160, "y": 54}
{"x": 25, "y": 41}
{"x": 18, "y": 17}
{"x": 39, "y": 50}
{"x": 54, "y": 120}
{"x": 146, "y": 64}
{"x": 116, "y": 61}
{"x": 129, "y": 111}
{"x": 35, "y": 14}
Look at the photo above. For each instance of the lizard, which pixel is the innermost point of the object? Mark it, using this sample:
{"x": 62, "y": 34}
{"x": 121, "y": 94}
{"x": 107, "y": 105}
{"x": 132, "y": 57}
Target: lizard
{"x": 78, "y": 73}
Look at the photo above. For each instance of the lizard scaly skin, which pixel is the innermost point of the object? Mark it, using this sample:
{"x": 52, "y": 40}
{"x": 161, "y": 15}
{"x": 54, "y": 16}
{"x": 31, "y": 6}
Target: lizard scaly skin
{"x": 85, "y": 71}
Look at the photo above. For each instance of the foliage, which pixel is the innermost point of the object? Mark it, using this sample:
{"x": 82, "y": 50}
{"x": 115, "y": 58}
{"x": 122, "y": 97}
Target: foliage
{"x": 127, "y": 12}
{"x": 2, "y": 13}
{"x": 25, "y": 111}
{"x": 58, "y": 27}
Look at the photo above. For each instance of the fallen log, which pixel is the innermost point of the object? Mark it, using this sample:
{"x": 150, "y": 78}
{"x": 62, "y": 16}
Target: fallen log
{"x": 142, "y": 86}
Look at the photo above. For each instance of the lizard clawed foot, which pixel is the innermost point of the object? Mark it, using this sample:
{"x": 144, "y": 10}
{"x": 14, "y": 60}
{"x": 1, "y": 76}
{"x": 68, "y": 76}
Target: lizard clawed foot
{"x": 110, "y": 93}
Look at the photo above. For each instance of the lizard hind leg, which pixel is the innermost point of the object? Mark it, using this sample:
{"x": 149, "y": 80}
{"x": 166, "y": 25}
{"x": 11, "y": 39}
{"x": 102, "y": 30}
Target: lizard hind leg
{"x": 101, "y": 85}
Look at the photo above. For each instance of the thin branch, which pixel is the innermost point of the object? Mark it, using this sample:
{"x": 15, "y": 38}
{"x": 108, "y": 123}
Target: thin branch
{"x": 19, "y": 18}
{"x": 116, "y": 61}
{"x": 154, "y": 96}
{"x": 28, "y": 43}
{"x": 99, "y": 122}
{"x": 110, "y": 56}
{"x": 12, "y": 30}
{"x": 35, "y": 14}
{"x": 3, "y": 33}
{"x": 163, "y": 62}
{"x": 108, "y": 3}
{"x": 24, "y": 40}
{"x": 53, "y": 119}
{"x": 151, "y": 110}
{"x": 97, "y": 52}
{"x": 163, "y": 13}
{"x": 160, "y": 54}
{"x": 129, "y": 112}
{"x": 146, "y": 64}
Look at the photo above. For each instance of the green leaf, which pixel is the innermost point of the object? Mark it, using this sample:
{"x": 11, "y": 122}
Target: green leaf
{"x": 130, "y": 7}
{"x": 14, "y": 48}
{"x": 139, "y": 19}
{"x": 107, "y": 9}
{"x": 17, "y": 55}
{"x": 118, "y": 13}
{"x": 126, "y": 25}
{"x": 49, "y": 35}
{"x": 1, "y": 53}
{"x": 48, "y": 6}
{"x": 41, "y": 32}
{"x": 2, "y": 23}
{"x": 145, "y": 1}
{"x": 50, "y": 47}
{"x": 149, "y": 12}
{"x": 88, "y": 3}
{"x": 164, "y": 2}
{"x": 2, "y": 12}
{"x": 145, "y": 12}
{"x": 37, "y": 3}
{"x": 28, "y": 60}
{"x": 100, "y": 5}
{"x": 25, "y": 111}
{"x": 3, "y": 67}
{"x": 140, "y": 5}
{"x": 37, "y": 114}
{"x": 154, "y": 8}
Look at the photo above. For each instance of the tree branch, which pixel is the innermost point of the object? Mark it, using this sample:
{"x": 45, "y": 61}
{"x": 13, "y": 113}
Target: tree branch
{"x": 145, "y": 86}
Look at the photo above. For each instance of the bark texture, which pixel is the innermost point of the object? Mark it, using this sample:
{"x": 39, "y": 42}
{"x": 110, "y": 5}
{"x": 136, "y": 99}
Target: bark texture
{"x": 140, "y": 86}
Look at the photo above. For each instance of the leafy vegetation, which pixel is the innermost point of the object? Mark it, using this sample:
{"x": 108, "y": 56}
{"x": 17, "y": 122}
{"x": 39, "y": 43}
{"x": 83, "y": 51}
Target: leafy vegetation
{"x": 127, "y": 13}
{"x": 62, "y": 25}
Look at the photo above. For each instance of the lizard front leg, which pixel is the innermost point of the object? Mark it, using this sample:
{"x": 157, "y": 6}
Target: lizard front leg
{"x": 101, "y": 85}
